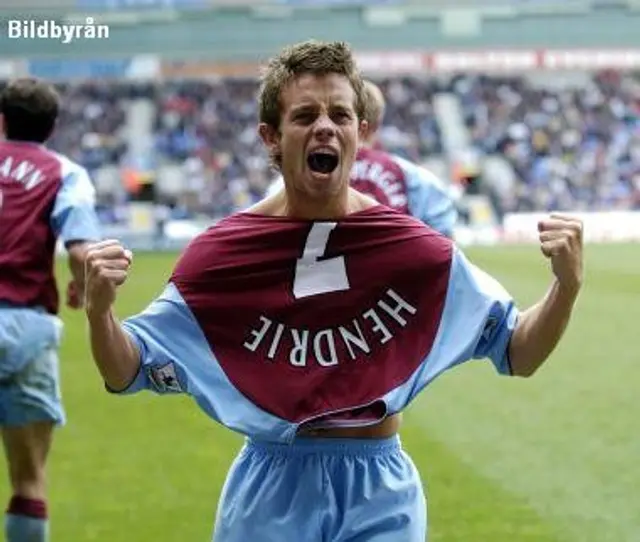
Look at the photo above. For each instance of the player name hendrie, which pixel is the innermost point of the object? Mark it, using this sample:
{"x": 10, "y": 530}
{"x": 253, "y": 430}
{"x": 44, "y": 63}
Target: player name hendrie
{"x": 376, "y": 326}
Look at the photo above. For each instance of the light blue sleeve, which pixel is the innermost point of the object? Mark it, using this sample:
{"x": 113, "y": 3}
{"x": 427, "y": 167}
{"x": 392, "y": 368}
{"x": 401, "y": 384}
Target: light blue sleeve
{"x": 172, "y": 346}
{"x": 175, "y": 358}
{"x": 429, "y": 198}
{"x": 478, "y": 320}
{"x": 74, "y": 216}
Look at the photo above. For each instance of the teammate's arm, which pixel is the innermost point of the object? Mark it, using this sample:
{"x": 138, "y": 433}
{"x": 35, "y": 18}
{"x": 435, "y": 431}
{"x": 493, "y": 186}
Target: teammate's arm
{"x": 75, "y": 223}
{"x": 77, "y": 253}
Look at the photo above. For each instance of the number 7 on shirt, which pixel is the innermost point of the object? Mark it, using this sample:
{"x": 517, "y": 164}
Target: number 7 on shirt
{"x": 314, "y": 275}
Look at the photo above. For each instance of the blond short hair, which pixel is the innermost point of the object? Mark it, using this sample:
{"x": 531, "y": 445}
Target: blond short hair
{"x": 374, "y": 105}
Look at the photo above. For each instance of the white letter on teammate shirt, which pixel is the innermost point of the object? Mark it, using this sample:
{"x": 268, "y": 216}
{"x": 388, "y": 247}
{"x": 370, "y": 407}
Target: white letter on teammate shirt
{"x": 379, "y": 325}
{"x": 298, "y": 354}
{"x": 259, "y": 335}
{"x": 400, "y": 305}
{"x": 331, "y": 346}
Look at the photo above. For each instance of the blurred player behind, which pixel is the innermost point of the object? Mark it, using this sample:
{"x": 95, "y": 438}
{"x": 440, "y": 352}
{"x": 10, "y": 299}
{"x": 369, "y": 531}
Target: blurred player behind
{"x": 43, "y": 196}
{"x": 397, "y": 182}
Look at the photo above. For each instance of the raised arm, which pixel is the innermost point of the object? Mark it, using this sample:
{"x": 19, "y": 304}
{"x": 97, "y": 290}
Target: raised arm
{"x": 115, "y": 353}
{"x": 161, "y": 349}
{"x": 480, "y": 319}
{"x": 540, "y": 328}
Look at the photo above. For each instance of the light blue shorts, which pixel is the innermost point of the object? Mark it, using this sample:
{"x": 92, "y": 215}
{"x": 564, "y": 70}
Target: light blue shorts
{"x": 322, "y": 490}
{"x": 32, "y": 394}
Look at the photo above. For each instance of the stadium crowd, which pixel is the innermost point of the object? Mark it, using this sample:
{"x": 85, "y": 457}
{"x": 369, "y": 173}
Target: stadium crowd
{"x": 570, "y": 149}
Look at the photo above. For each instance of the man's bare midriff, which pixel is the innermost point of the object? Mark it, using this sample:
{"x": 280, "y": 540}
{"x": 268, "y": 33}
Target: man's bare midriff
{"x": 384, "y": 429}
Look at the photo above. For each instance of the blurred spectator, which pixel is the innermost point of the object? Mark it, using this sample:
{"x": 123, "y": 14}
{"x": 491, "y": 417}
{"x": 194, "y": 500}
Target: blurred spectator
{"x": 89, "y": 125}
{"x": 572, "y": 149}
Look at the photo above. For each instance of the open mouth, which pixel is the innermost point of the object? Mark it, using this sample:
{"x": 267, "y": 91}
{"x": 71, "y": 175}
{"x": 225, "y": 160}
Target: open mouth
{"x": 322, "y": 162}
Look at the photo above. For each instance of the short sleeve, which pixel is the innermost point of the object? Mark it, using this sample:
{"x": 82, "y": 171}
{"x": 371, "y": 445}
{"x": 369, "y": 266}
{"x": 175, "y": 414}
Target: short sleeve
{"x": 74, "y": 216}
{"x": 488, "y": 309}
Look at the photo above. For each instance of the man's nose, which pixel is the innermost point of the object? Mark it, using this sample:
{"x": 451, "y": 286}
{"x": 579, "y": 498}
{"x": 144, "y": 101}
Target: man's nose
{"x": 324, "y": 128}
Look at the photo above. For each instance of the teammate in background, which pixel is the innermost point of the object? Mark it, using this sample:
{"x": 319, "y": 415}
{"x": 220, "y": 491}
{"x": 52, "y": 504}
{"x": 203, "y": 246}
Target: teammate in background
{"x": 392, "y": 180}
{"x": 310, "y": 321}
{"x": 43, "y": 196}
{"x": 397, "y": 182}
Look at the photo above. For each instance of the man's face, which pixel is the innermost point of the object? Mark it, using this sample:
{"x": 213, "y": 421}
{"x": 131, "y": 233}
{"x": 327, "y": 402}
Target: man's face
{"x": 318, "y": 134}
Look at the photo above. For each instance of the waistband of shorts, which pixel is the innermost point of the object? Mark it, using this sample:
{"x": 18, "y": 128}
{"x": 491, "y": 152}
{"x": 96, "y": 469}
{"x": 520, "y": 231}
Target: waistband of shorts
{"x": 327, "y": 446}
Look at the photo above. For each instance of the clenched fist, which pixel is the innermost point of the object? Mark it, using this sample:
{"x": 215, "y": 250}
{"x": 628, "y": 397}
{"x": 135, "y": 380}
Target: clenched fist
{"x": 561, "y": 242}
{"x": 106, "y": 268}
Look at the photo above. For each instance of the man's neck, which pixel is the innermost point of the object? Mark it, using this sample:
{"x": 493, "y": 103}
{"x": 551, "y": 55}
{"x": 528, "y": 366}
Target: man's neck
{"x": 330, "y": 208}
{"x": 333, "y": 208}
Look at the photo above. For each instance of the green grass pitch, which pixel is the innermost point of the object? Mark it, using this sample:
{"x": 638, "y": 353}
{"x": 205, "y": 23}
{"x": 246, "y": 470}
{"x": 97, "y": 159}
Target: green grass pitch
{"x": 553, "y": 458}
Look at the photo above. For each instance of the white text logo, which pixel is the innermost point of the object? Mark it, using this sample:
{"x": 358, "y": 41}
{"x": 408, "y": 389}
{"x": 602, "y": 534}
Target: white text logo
{"x": 53, "y": 30}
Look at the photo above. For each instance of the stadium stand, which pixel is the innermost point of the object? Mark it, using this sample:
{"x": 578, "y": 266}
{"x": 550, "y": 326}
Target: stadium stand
{"x": 572, "y": 149}
{"x": 568, "y": 148}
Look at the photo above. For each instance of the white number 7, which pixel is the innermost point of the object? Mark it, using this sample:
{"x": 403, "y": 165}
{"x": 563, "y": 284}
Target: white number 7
{"x": 314, "y": 276}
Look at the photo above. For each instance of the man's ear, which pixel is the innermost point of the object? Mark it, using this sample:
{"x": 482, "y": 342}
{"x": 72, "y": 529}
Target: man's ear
{"x": 363, "y": 130}
{"x": 270, "y": 137}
